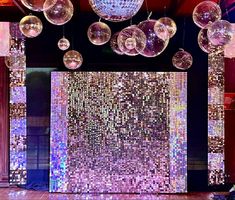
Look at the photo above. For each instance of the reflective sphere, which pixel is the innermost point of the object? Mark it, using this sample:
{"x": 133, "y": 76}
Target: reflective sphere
{"x": 169, "y": 24}
{"x": 161, "y": 31}
{"x": 63, "y": 44}
{"x": 30, "y": 26}
{"x": 131, "y": 40}
{"x": 205, "y": 12}
{"x": 182, "y": 60}
{"x": 205, "y": 44}
{"x": 99, "y": 33}
{"x": 116, "y": 10}
{"x": 60, "y": 13}
{"x": 154, "y": 44}
{"x": 114, "y": 44}
{"x": 72, "y": 59}
{"x": 220, "y": 32}
{"x": 15, "y": 61}
{"x": 38, "y": 5}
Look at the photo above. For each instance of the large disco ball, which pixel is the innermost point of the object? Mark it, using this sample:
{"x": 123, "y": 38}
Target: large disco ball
{"x": 60, "y": 13}
{"x": 154, "y": 44}
{"x": 220, "y": 32}
{"x": 182, "y": 59}
{"x": 72, "y": 59}
{"x": 169, "y": 24}
{"x": 116, "y": 10}
{"x": 63, "y": 44}
{"x": 205, "y": 44}
{"x": 15, "y": 61}
{"x": 30, "y": 26}
{"x": 114, "y": 44}
{"x": 205, "y": 12}
{"x": 99, "y": 33}
{"x": 38, "y": 5}
{"x": 131, "y": 40}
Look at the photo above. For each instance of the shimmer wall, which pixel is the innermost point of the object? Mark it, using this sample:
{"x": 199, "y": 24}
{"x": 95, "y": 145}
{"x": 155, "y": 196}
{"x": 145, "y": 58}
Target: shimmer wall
{"x": 118, "y": 132}
{"x": 216, "y": 168}
{"x": 17, "y": 110}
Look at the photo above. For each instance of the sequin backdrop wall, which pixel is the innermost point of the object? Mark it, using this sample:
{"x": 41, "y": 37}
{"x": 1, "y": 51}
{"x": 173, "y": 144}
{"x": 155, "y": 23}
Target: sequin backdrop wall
{"x": 216, "y": 167}
{"x": 118, "y": 132}
{"x": 17, "y": 106}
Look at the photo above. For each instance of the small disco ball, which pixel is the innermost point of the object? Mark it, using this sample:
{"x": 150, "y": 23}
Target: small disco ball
{"x": 205, "y": 12}
{"x": 161, "y": 31}
{"x": 182, "y": 60}
{"x": 63, "y": 44}
{"x": 99, "y": 33}
{"x": 220, "y": 32}
{"x": 38, "y": 5}
{"x": 131, "y": 40}
{"x": 154, "y": 44}
{"x": 15, "y": 61}
{"x": 30, "y": 26}
{"x": 169, "y": 24}
{"x": 205, "y": 44}
{"x": 72, "y": 59}
{"x": 114, "y": 44}
{"x": 60, "y": 13}
{"x": 116, "y": 10}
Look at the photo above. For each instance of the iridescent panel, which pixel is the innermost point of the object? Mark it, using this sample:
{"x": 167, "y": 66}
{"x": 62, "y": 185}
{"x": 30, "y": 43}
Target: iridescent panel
{"x": 216, "y": 119}
{"x": 118, "y": 132}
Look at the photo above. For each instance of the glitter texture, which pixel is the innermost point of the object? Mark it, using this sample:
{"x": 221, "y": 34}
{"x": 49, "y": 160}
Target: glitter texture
{"x": 216, "y": 168}
{"x": 17, "y": 110}
{"x": 118, "y": 132}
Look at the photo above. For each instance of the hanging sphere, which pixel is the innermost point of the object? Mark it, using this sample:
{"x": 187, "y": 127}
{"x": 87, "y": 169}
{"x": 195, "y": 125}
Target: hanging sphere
{"x": 131, "y": 40}
{"x": 205, "y": 12}
{"x": 220, "y": 32}
{"x": 154, "y": 44}
{"x": 205, "y": 44}
{"x": 161, "y": 31}
{"x": 182, "y": 60}
{"x": 72, "y": 59}
{"x": 63, "y": 44}
{"x": 116, "y": 10}
{"x": 38, "y": 5}
{"x": 15, "y": 61}
{"x": 30, "y": 26}
{"x": 60, "y": 13}
{"x": 114, "y": 44}
{"x": 169, "y": 24}
{"x": 99, "y": 33}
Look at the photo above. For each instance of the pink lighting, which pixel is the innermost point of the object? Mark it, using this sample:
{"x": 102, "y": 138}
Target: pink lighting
{"x": 229, "y": 51}
{"x": 4, "y": 38}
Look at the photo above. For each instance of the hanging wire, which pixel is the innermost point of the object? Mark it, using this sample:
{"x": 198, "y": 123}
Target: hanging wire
{"x": 100, "y": 19}
{"x": 131, "y": 22}
{"x": 165, "y": 10}
{"x": 63, "y": 31}
{"x": 147, "y": 8}
{"x": 184, "y": 31}
{"x": 150, "y": 14}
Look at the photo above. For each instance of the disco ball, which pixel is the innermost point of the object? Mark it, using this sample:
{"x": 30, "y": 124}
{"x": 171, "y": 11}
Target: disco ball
{"x": 205, "y": 44}
{"x": 154, "y": 44}
{"x": 72, "y": 59}
{"x": 116, "y": 10}
{"x": 30, "y": 26}
{"x": 60, "y": 13}
{"x": 220, "y": 32}
{"x": 114, "y": 44}
{"x": 182, "y": 60}
{"x": 161, "y": 31}
{"x": 169, "y": 24}
{"x": 99, "y": 33}
{"x": 205, "y": 12}
{"x": 38, "y": 5}
{"x": 63, "y": 44}
{"x": 131, "y": 40}
{"x": 15, "y": 61}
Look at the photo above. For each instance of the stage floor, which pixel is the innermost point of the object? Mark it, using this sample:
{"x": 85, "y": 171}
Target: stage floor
{"x": 21, "y": 194}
